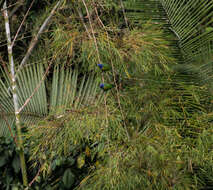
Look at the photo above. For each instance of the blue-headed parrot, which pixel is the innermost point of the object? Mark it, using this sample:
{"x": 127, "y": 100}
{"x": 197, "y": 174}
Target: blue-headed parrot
{"x": 105, "y": 67}
{"x": 106, "y": 86}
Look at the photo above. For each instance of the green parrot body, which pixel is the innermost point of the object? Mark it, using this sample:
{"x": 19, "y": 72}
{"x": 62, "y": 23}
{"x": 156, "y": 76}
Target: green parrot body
{"x": 104, "y": 67}
{"x": 106, "y": 86}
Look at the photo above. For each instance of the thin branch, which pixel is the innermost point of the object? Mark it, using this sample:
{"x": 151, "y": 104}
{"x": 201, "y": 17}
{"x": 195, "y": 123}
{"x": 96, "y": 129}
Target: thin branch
{"x": 9, "y": 5}
{"x": 21, "y": 37}
{"x": 124, "y": 13}
{"x": 96, "y": 11}
{"x": 82, "y": 20}
{"x": 35, "y": 39}
{"x": 34, "y": 179}
{"x": 25, "y": 16}
{"x": 93, "y": 33}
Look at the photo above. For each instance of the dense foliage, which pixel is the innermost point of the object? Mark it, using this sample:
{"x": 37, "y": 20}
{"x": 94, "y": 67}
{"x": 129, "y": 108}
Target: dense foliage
{"x": 66, "y": 172}
{"x": 153, "y": 130}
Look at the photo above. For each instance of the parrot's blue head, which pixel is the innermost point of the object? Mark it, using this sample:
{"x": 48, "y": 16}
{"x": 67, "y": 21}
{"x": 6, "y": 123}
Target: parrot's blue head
{"x": 101, "y": 85}
{"x": 100, "y": 66}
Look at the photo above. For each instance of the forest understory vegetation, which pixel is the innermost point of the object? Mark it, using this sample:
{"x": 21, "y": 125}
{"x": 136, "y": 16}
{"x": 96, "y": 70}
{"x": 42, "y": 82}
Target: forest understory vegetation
{"x": 151, "y": 129}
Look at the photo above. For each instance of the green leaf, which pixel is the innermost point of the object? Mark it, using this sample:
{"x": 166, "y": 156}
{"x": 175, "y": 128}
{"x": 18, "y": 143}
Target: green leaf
{"x": 3, "y": 160}
{"x": 15, "y": 188}
{"x": 81, "y": 161}
{"x": 57, "y": 162}
{"x": 71, "y": 161}
{"x": 53, "y": 165}
{"x": 151, "y": 149}
{"x": 16, "y": 164}
{"x": 209, "y": 29}
{"x": 68, "y": 178}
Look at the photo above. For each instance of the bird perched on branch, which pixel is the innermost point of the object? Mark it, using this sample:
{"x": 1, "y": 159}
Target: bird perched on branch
{"x": 105, "y": 67}
{"x": 106, "y": 86}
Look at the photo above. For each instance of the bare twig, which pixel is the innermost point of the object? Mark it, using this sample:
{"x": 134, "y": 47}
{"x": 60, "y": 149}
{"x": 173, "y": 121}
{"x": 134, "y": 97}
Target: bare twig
{"x": 96, "y": 11}
{"x": 35, "y": 39}
{"x": 124, "y": 13}
{"x": 93, "y": 33}
{"x": 25, "y": 16}
{"x": 82, "y": 20}
{"x": 9, "y": 5}
{"x": 21, "y": 38}
{"x": 33, "y": 180}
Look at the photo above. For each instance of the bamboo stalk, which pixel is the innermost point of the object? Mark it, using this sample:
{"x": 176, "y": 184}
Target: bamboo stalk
{"x": 124, "y": 13}
{"x": 15, "y": 97}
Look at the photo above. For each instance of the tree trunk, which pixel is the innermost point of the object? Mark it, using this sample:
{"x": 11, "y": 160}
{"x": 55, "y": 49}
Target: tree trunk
{"x": 15, "y": 98}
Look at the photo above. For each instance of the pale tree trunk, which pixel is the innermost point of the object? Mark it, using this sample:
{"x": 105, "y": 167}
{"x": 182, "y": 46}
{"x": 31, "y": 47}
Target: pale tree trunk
{"x": 15, "y": 98}
{"x": 13, "y": 75}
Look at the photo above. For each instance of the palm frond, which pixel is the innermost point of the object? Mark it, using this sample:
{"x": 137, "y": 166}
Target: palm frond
{"x": 190, "y": 21}
{"x": 27, "y": 80}
{"x": 67, "y": 91}
{"x": 70, "y": 91}
{"x": 191, "y": 24}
